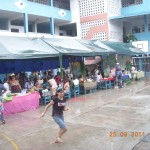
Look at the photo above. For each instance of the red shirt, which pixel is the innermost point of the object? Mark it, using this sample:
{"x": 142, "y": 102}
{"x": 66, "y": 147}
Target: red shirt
{"x": 58, "y": 79}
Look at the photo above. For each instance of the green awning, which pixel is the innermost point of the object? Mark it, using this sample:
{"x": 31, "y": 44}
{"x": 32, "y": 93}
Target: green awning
{"x": 69, "y": 47}
{"x": 97, "y": 47}
{"x": 123, "y": 48}
{"x": 25, "y": 48}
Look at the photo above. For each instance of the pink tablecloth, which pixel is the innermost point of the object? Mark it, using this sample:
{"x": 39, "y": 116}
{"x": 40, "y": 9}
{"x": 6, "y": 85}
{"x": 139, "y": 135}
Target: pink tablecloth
{"x": 22, "y": 103}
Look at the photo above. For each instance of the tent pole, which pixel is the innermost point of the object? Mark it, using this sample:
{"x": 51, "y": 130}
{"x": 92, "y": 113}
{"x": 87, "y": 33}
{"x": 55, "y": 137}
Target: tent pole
{"x": 60, "y": 63}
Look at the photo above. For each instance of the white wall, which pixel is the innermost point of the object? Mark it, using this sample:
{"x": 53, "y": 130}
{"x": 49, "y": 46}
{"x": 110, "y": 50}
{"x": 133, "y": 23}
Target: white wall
{"x": 115, "y": 31}
{"x": 56, "y": 30}
{"x": 75, "y": 11}
{"x": 114, "y": 7}
{"x": 21, "y": 28}
{"x": 143, "y": 45}
{"x": 106, "y": 6}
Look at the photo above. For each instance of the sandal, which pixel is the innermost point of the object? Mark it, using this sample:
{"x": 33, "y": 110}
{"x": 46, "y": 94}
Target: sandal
{"x": 2, "y": 122}
{"x": 58, "y": 140}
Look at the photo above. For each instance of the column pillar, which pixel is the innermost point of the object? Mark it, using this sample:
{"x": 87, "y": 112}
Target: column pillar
{"x": 51, "y": 3}
{"x": 35, "y": 28}
{"x": 145, "y": 23}
{"x": 140, "y": 64}
{"x": 26, "y": 28}
{"x": 52, "y": 29}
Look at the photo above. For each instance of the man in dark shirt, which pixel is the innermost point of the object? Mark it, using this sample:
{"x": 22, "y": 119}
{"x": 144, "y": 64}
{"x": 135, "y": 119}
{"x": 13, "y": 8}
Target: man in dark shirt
{"x": 59, "y": 105}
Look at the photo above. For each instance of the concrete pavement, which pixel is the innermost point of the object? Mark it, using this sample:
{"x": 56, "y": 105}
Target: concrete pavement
{"x": 115, "y": 119}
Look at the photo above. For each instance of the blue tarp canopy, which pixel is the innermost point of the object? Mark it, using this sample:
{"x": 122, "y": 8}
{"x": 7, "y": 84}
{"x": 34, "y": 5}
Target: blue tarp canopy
{"x": 19, "y": 65}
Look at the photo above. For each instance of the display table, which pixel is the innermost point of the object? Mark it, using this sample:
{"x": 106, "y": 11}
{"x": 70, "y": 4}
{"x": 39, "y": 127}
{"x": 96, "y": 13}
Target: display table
{"x": 108, "y": 79}
{"x": 88, "y": 86}
{"x": 139, "y": 75}
{"x": 107, "y": 83}
{"x": 22, "y": 103}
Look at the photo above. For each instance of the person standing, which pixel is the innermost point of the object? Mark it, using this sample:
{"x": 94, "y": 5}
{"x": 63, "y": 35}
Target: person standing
{"x": 14, "y": 84}
{"x": 76, "y": 81}
{"x": 118, "y": 75}
{"x": 59, "y": 105}
{"x": 6, "y": 86}
{"x": 53, "y": 85}
{"x": 133, "y": 72}
{"x": 113, "y": 71}
{"x": 2, "y": 91}
{"x": 96, "y": 71}
{"x": 58, "y": 78}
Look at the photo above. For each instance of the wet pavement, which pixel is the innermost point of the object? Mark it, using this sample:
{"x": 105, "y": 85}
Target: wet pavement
{"x": 114, "y": 119}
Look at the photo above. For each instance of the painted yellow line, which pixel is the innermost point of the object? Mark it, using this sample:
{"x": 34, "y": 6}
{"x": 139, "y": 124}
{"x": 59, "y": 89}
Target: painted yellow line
{"x": 11, "y": 141}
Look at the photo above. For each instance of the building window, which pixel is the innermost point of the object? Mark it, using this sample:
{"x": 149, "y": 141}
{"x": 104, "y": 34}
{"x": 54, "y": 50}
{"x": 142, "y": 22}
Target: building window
{"x": 148, "y": 27}
{"x": 131, "y": 1}
{"x": 45, "y": 2}
{"x": 127, "y": 3}
{"x": 61, "y": 34}
{"x": 135, "y": 30}
{"x": 14, "y": 30}
{"x": 64, "y": 4}
{"x": 142, "y": 29}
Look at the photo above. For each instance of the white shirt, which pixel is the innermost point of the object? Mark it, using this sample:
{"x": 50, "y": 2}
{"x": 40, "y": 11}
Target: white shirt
{"x": 98, "y": 78}
{"x": 76, "y": 82}
{"x": 45, "y": 92}
{"x": 6, "y": 85}
{"x": 53, "y": 83}
{"x": 89, "y": 80}
{"x": 132, "y": 69}
{"x": 28, "y": 85}
{"x": 96, "y": 72}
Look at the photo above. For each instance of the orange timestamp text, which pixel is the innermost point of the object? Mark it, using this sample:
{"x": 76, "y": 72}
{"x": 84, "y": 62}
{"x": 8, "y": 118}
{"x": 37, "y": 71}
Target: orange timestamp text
{"x": 126, "y": 134}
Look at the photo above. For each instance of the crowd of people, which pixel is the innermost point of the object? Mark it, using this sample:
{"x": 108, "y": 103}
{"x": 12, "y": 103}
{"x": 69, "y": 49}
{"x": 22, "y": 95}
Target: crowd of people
{"x": 36, "y": 81}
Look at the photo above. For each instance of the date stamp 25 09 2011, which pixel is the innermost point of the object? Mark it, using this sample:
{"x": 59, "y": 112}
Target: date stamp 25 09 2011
{"x": 126, "y": 134}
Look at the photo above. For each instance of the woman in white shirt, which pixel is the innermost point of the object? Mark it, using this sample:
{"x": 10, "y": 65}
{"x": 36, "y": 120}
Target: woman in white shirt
{"x": 76, "y": 81}
{"x": 133, "y": 72}
{"x": 99, "y": 77}
{"x": 66, "y": 85}
{"x": 7, "y": 87}
{"x": 53, "y": 85}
